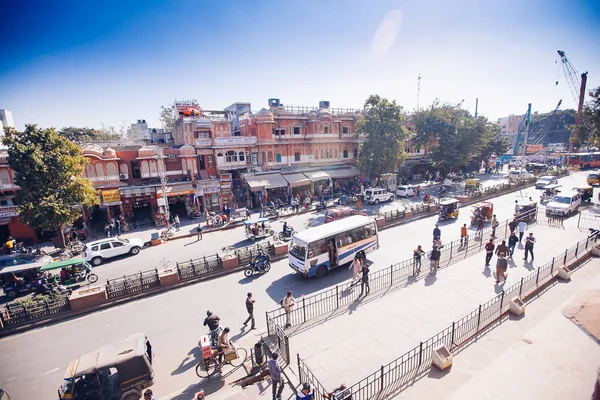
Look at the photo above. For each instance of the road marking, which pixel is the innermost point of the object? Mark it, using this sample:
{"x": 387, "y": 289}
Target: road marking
{"x": 51, "y": 371}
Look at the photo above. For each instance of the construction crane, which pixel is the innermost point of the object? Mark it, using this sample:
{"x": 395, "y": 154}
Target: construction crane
{"x": 522, "y": 134}
{"x": 557, "y": 106}
{"x": 578, "y": 91}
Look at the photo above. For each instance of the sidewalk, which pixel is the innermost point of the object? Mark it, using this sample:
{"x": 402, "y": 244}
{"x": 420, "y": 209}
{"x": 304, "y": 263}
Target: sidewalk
{"x": 375, "y": 330}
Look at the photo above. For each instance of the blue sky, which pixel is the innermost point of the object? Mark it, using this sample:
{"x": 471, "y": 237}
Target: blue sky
{"x": 87, "y": 63}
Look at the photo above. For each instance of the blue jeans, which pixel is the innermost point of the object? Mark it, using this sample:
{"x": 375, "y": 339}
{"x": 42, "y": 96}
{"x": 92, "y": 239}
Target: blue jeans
{"x": 511, "y": 249}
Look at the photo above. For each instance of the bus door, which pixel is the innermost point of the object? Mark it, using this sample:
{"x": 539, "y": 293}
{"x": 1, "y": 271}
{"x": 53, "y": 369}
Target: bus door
{"x": 332, "y": 250}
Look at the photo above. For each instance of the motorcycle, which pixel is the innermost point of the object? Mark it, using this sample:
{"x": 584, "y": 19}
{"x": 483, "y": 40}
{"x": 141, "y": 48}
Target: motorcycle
{"x": 427, "y": 198}
{"x": 287, "y": 235}
{"x": 443, "y": 191}
{"x": 260, "y": 264}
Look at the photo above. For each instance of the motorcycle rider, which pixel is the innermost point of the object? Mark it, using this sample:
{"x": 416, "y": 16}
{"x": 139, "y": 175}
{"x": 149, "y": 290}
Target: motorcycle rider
{"x": 286, "y": 231}
{"x": 212, "y": 321}
{"x": 261, "y": 259}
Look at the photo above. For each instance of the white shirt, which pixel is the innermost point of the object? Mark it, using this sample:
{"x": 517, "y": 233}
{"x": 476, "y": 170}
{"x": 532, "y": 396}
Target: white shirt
{"x": 522, "y": 226}
{"x": 288, "y": 302}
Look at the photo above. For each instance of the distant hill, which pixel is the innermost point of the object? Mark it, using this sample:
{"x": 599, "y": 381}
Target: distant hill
{"x": 551, "y": 127}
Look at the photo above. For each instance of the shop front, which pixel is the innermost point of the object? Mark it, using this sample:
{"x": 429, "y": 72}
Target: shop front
{"x": 299, "y": 183}
{"x": 207, "y": 195}
{"x": 180, "y": 197}
{"x": 140, "y": 207}
{"x": 111, "y": 201}
{"x": 345, "y": 180}
{"x": 320, "y": 182}
{"x": 265, "y": 188}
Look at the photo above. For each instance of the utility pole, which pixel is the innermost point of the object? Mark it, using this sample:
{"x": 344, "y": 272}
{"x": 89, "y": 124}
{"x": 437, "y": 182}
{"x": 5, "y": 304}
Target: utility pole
{"x": 162, "y": 174}
{"x": 476, "y": 106}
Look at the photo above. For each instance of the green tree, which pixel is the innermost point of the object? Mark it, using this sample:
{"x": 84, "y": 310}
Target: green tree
{"x": 460, "y": 137}
{"x": 383, "y": 125}
{"x": 590, "y": 118}
{"x": 496, "y": 144}
{"x": 167, "y": 118}
{"x": 84, "y": 135}
{"x": 49, "y": 169}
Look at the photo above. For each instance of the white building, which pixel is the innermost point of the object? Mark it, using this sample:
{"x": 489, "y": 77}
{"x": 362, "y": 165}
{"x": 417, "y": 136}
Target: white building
{"x": 6, "y": 119}
{"x": 140, "y": 130}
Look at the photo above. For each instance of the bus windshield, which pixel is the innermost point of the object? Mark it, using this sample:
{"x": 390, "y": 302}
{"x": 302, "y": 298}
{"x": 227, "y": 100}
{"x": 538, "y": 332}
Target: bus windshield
{"x": 298, "y": 250}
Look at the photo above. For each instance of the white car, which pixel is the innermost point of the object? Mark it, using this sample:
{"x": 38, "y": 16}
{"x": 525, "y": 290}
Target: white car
{"x": 563, "y": 204}
{"x": 519, "y": 174}
{"x": 406, "y": 191}
{"x": 377, "y": 195}
{"x": 546, "y": 180}
{"x": 96, "y": 252}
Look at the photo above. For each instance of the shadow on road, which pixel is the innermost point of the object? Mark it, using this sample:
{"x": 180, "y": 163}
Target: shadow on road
{"x": 190, "y": 361}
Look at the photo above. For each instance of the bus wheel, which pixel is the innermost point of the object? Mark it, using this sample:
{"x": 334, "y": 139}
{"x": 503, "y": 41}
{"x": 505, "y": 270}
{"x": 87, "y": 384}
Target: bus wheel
{"x": 321, "y": 272}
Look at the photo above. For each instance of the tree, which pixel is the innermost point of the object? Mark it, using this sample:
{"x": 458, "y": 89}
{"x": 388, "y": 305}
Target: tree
{"x": 383, "y": 125}
{"x": 591, "y": 116}
{"x": 496, "y": 144}
{"x": 49, "y": 170}
{"x": 167, "y": 118}
{"x": 84, "y": 135}
{"x": 460, "y": 137}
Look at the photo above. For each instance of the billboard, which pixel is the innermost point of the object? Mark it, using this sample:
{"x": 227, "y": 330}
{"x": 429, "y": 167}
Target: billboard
{"x": 187, "y": 108}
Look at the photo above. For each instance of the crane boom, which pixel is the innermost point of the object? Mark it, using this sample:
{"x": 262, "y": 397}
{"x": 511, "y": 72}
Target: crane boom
{"x": 571, "y": 75}
{"x": 578, "y": 91}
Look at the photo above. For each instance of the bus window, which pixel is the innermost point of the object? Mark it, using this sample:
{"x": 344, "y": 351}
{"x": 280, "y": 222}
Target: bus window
{"x": 370, "y": 230}
{"x": 317, "y": 248}
{"x": 358, "y": 234}
{"x": 299, "y": 251}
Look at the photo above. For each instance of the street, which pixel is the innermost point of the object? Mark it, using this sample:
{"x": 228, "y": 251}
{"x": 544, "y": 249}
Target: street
{"x": 34, "y": 361}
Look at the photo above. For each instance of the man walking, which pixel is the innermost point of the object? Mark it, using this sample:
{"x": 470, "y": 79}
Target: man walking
{"x": 434, "y": 260}
{"x": 512, "y": 243}
{"x": 437, "y": 233}
{"x": 501, "y": 266}
{"x": 276, "y": 378}
{"x": 365, "y": 281}
{"x": 502, "y": 248}
{"x": 250, "y": 308}
{"x": 287, "y": 303}
{"x": 199, "y": 232}
{"x": 512, "y": 225}
{"x": 177, "y": 222}
{"x": 522, "y": 228}
{"x": 489, "y": 251}
{"x": 463, "y": 235}
{"x": 529, "y": 242}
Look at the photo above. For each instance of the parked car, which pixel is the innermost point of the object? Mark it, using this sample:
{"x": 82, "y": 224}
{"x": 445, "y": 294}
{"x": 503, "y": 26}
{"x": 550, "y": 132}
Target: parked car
{"x": 96, "y": 252}
{"x": 377, "y": 195}
{"x": 340, "y": 212}
{"x": 519, "y": 175}
{"x": 545, "y": 181}
{"x": 406, "y": 191}
{"x": 564, "y": 204}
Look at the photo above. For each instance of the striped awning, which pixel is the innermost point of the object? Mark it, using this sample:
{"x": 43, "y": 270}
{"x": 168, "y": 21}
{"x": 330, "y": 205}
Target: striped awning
{"x": 137, "y": 191}
{"x": 296, "y": 179}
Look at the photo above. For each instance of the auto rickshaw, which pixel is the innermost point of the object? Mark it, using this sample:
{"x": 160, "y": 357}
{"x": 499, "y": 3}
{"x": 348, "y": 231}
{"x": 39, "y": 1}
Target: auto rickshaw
{"x": 593, "y": 178}
{"x": 449, "y": 209}
{"x": 526, "y": 211}
{"x": 114, "y": 372}
{"x": 75, "y": 270}
{"x": 484, "y": 210}
{"x": 549, "y": 192}
{"x": 586, "y": 193}
{"x": 261, "y": 228}
{"x": 473, "y": 185}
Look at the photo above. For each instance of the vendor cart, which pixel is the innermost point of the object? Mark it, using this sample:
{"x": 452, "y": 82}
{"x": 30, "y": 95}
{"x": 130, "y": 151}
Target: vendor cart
{"x": 483, "y": 210}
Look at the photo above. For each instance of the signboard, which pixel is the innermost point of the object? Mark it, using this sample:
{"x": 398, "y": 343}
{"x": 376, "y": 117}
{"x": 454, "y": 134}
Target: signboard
{"x": 110, "y": 197}
{"x": 235, "y": 140}
{"x": 534, "y": 148}
{"x": 187, "y": 108}
{"x": 203, "y": 142}
{"x": 203, "y": 122}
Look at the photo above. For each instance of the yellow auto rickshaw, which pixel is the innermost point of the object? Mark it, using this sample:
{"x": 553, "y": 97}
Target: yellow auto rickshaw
{"x": 593, "y": 178}
{"x": 586, "y": 193}
{"x": 449, "y": 209}
{"x": 473, "y": 185}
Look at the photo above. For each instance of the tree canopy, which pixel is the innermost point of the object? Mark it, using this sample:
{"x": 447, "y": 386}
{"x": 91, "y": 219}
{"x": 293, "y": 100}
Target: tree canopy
{"x": 460, "y": 137}
{"x": 84, "y": 135}
{"x": 49, "y": 169}
{"x": 167, "y": 118}
{"x": 591, "y": 116}
{"x": 383, "y": 125}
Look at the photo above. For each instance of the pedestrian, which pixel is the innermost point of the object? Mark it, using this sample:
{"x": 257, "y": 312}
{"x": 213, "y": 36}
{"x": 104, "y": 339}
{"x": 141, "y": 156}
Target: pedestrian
{"x": 365, "y": 281}
{"x": 417, "y": 254}
{"x": 501, "y": 266}
{"x": 480, "y": 225}
{"x": 494, "y": 225}
{"x": 199, "y": 232}
{"x": 463, "y": 235}
{"x": 522, "y": 228}
{"x": 287, "y": 303}
{"x": 306, "y": 393}
{"x": 362, "y": 256}
{"x": 512, "y": 225}
{"x": 434, "y": 260}
{"x": 276, "y": 378}
{"x": 107, "y": 229}
{"x": 529, "y": 242}
{"x": 489, "y": 251}
{"x": 340, "y": 393}
{"x": 356, "y": 268}
{"x": 437, "y": 233}
{"x": 148, "y": 395}
{"x": 118, "y": 226}
{"x": 418, "y": 190}
{"x": 512, "y": 243}
{"x": 250, "y": 308}
{"x": 502, "y": 248}
{"x": 212, "y": 321}
{"x": 177, "y": 223}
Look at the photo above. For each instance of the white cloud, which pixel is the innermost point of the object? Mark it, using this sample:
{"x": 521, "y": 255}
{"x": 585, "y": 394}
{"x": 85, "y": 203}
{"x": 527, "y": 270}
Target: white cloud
{"x": 387, "y": 32}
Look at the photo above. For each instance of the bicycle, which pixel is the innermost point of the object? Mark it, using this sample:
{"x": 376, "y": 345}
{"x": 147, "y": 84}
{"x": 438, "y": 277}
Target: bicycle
{"x": 209, "y": 366}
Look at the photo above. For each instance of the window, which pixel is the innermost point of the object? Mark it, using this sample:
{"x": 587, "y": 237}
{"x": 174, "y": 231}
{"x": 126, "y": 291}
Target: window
{"x": 326, "y": 153}
{"x": 316, "y": 154}
{"x": 231, "y": 156}
{"x": 296, "y": 130}
{"x": 355, "y": 152}
{"x": 345, "y": 153}
{"x": 263, "y": 157}
{"x": 326, "y": 129}
{"x": 278, "y": 132}
{"x": 105, "y": 246}
{"x": 370, "y": 230}
{"x": 296, "y": 156}
{"x": 117, "y": 244}
{"x": 278, "y": 158}
{"x": 241, "y": 156}
{"x": 345, "y": 130}
{"x": 95, "y": 248}
{"x": 270, "y": 156}
{"x": 317, "y": 248}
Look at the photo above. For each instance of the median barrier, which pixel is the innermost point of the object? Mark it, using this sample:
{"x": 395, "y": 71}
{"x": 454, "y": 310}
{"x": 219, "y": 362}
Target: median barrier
{"x": 281, "y": 248}
{"x": 88, "y": 297}
{"x": 229, "y": 262}
{"x": 168, "y": 277}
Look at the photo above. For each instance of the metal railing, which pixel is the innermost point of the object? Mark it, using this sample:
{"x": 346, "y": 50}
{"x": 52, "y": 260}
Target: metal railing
{"x": 586, "y": 221}
{"x": 199, "y": 267}
{"x": 21, "y": 312}
{"x": 131, "y": 284}
{"x": 395, "y": 376}
{"x": 283, "y": 340}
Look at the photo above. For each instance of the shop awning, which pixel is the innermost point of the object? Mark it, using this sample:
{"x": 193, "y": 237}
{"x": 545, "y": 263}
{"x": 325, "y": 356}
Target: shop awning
{"x": 297, "y": 179}
{"x": 267, "y": 181}
{"x": 176, "y": 190}
{"x": 137, "y": 191}
{"x": 315, "y": 176}
{"x": 342, "y": 173}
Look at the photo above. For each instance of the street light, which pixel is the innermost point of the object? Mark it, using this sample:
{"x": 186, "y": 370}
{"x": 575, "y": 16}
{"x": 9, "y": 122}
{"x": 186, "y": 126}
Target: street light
{"x": 162, "y": 173}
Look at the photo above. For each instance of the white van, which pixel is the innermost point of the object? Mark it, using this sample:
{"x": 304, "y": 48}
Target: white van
{"x": 564, "y": 204}
{"x": 377, "y": 195}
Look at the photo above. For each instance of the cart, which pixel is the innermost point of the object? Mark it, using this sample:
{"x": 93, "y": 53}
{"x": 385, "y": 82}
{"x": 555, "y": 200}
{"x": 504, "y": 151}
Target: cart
{"x": 549, "y": 192}
{"x": 259, "y": 229}
{"x": 269, "y": 212}
{"x": 586, "y": 192}
{"x": 526, "y": 211}
{"x": 241, "y": 214}
{"x": 449, "y": 209}
{"x": 484, "y": 210}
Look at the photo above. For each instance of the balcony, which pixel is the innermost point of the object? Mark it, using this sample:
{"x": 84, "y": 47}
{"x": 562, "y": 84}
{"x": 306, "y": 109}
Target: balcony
{"x": 6, "y": 184}
{"x": 109, "y": 178}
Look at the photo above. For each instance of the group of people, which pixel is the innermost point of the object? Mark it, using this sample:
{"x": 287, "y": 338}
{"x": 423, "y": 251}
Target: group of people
{"x": 361, "y": 273}
{"x": 114, "y": 227}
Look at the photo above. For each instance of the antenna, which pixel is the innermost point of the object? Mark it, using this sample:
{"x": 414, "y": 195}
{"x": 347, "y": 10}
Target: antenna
{"x": 418, "y": 91}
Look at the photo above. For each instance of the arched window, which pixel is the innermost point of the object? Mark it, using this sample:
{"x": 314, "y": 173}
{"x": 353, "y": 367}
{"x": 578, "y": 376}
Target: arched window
{"x": 4, "y": 177}
{"x": 263, "y": 157}
{"x": 326, "y": 154}
{"x": 355, "y": 152}
{"x": 231, "y": 156}
{"x": 153, "y": 168}
{"x": 111, "y": 170}
{"x": 220, "y": 155}
{"x": 91, "y": 172}
{"x": 270, "y": 156}
{"x": 124, "y": 169}
{"x": 145, "y": 169}
{"x": 316, "y": 154}
{"x": 241, "y": 156}
{"x": 99, "y": 170}
{"x": 322, "y": 154}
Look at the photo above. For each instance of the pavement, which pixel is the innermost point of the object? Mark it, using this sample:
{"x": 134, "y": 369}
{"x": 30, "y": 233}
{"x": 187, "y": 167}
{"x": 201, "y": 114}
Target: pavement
{"x": 37, "y": 359}
{"x": 541, "y": 356}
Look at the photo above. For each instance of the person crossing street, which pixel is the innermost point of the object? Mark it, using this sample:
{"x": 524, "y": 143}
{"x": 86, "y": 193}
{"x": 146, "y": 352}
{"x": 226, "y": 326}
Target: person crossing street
{"x": 463, "y": 235}
{"x": 529, "y": 242}
{"x": 522, "y": 228}
{"x": 489, "y": 251}
{"x": 250, "y": 308}
{"x": 512, "y": 243}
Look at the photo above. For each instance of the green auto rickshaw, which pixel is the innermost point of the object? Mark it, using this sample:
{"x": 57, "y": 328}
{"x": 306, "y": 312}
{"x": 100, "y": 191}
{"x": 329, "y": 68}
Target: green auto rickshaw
{"x": 473, "y": 185}
{"x": 71, "y": 271}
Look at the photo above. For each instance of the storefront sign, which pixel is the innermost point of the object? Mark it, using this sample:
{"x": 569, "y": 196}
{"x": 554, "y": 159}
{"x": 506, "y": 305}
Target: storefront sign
{"x": 235, "y": 140}
{"x": 203, "y": 122}
{"x": 203, "y": 142}
{"x": 111, "y": 196}
{"x": 8, "y": 214}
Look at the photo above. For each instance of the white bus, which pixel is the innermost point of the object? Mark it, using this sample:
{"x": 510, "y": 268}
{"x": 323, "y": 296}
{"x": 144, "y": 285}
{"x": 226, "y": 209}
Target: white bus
{"x": 317, "y": 250}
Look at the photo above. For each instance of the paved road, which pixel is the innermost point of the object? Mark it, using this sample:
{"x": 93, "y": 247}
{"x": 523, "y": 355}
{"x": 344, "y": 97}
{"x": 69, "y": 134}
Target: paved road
{"x": 34, "y": 361}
